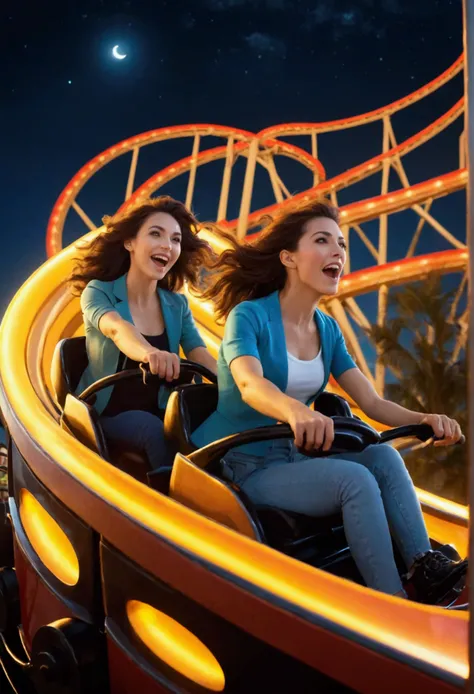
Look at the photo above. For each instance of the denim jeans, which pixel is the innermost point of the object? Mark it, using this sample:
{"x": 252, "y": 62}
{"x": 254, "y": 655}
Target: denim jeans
{"x": 373, "y": 489}
{"x": 141, "y": 430}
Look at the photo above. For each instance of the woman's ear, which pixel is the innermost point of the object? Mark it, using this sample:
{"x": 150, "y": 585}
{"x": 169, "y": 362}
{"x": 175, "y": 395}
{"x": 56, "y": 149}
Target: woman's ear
{"x": 127, "y": 245}
{"x": 286, "y": 259}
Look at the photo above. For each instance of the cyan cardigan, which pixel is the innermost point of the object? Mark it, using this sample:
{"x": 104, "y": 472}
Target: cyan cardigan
{"x": 255, "y": 328}
{"x": 99, "y": 298}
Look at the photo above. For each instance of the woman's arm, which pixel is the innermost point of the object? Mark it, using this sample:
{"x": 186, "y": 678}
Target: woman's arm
{"x": 311, "y": 429}
{"x": 126, "y": 337}
{"x": 240, "y": 349}
{"x": 361, "y": 390}
{"x": 258, "y": 392}
{"x": 99, "y": 311}
{"x": 131, "y": 342}
{"x": 202, "y": 356}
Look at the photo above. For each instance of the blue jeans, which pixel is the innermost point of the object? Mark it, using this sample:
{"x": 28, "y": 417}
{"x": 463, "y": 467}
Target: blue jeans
{"x": 141, "y": 430}
{"x": 373, "y": 489}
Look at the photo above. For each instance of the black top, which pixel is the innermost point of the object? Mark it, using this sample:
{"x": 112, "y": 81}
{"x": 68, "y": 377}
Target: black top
{"x": 133, "y": 394}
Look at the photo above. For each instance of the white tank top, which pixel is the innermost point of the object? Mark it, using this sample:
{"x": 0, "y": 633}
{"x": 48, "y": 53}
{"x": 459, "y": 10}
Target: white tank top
{"x": 305, "y": 378}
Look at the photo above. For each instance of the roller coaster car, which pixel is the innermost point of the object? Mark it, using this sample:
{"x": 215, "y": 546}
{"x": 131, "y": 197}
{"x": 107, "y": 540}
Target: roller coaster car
{"x": 78, "y": 415}
{"x": 197, "y": 478}
{"x": 317, "y": 540}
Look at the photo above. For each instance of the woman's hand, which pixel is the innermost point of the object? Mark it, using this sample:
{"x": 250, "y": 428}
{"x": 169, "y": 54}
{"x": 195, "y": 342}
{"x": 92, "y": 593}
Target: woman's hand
{"x": 164, "y": 364}
{"x": 312, "y": 430}
{"x": 444, "y": 428}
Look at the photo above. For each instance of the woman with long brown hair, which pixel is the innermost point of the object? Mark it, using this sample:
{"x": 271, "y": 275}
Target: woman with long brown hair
{"x": 277, "y": 355}
{"x": 128, "y": 279}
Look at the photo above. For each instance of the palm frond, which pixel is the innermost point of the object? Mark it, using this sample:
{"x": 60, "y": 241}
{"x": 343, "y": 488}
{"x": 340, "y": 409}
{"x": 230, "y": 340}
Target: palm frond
{"x": 417, "y": 344}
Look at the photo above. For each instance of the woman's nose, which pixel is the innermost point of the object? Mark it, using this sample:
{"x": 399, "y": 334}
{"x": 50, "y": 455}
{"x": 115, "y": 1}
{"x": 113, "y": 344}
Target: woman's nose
{"x": 165, "y": 243}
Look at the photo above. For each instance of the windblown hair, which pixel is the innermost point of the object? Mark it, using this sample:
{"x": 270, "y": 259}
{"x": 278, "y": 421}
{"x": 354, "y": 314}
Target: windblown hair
{"x": 254, "y": 269}
{"x": 105, "y": 258}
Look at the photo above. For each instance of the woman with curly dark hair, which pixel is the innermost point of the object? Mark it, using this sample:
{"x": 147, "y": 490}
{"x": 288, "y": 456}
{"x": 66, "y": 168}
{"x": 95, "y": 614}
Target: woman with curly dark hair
{"x": 276, "y": 357}
{"x": 128, "y": 279}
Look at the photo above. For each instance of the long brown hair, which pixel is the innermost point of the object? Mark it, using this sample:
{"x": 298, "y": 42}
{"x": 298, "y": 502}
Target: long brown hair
{"x": 254, "y": 269}
{"x": 107, "y": 259}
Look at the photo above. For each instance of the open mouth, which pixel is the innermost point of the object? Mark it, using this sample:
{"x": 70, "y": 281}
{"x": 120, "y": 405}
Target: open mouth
{"x": 160, "y": 261}
{"x": 332, "y": 271}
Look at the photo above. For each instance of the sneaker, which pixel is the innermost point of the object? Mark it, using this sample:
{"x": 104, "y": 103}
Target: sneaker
{"x": 433, "y": 575}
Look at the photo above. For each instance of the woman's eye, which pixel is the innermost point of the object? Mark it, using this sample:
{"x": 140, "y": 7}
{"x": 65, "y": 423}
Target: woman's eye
{"x": 154, "y": 233}
{"x": 321, "y": 238}
{"x": 177, "y": 239}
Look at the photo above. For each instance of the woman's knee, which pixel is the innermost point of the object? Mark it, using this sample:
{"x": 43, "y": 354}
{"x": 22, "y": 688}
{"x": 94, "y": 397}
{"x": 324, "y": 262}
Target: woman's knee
{"x": 386, "y": 462}
{"x": 358, "y": 481}
{"x": 141, "y": 429}
{"x": 151, "y": 426}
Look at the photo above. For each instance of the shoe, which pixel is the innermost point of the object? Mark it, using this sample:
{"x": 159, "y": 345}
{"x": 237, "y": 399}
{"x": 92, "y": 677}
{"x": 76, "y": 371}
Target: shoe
{"x": 433, "y": 575}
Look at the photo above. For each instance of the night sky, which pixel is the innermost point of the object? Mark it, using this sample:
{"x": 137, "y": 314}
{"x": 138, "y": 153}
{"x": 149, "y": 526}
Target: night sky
{"x": 246, "y": 63}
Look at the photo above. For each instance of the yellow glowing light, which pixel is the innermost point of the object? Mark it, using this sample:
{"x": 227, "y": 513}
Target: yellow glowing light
{"x": 409, "y": 193}
{"x": 444, "y": 505}
{"x": 49, "y": 541}
{"x": 370, "y": 205}
{"x": 438, "y": 184}
{"x": 218, "y": 243}
{"x": 175, "y": 645}
{"x": 344, "y": 213}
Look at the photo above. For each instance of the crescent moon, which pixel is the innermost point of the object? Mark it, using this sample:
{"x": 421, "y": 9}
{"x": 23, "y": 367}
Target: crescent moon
{"x": 116, "y": 54}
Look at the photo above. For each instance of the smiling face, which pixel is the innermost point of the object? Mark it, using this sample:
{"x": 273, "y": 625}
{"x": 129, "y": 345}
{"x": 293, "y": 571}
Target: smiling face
{"x": 319, "y": 257}
{"x": 156, "y": 247}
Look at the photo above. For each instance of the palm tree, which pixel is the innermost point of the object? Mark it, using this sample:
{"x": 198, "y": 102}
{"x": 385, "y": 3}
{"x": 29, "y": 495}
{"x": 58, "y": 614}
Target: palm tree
{"x": 429, "y": 374}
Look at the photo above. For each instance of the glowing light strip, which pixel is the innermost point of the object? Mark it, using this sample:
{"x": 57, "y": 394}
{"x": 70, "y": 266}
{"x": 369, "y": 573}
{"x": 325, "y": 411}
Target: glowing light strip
{"x": 77, "y": 182}
{"x": 56, "y": 221}
{"x": 48, "y": 540}
{"x": 62, "y": 205}
{"x": 290, "y": 129}
{"x": 175, "y": 645}
{"x": 168, "y": 173}
{"x": 443, "y": 505}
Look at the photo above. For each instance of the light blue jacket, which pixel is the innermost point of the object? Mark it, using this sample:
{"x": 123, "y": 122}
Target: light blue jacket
{"x": 255, "y": 328}
{"x": 99, "y": 298}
